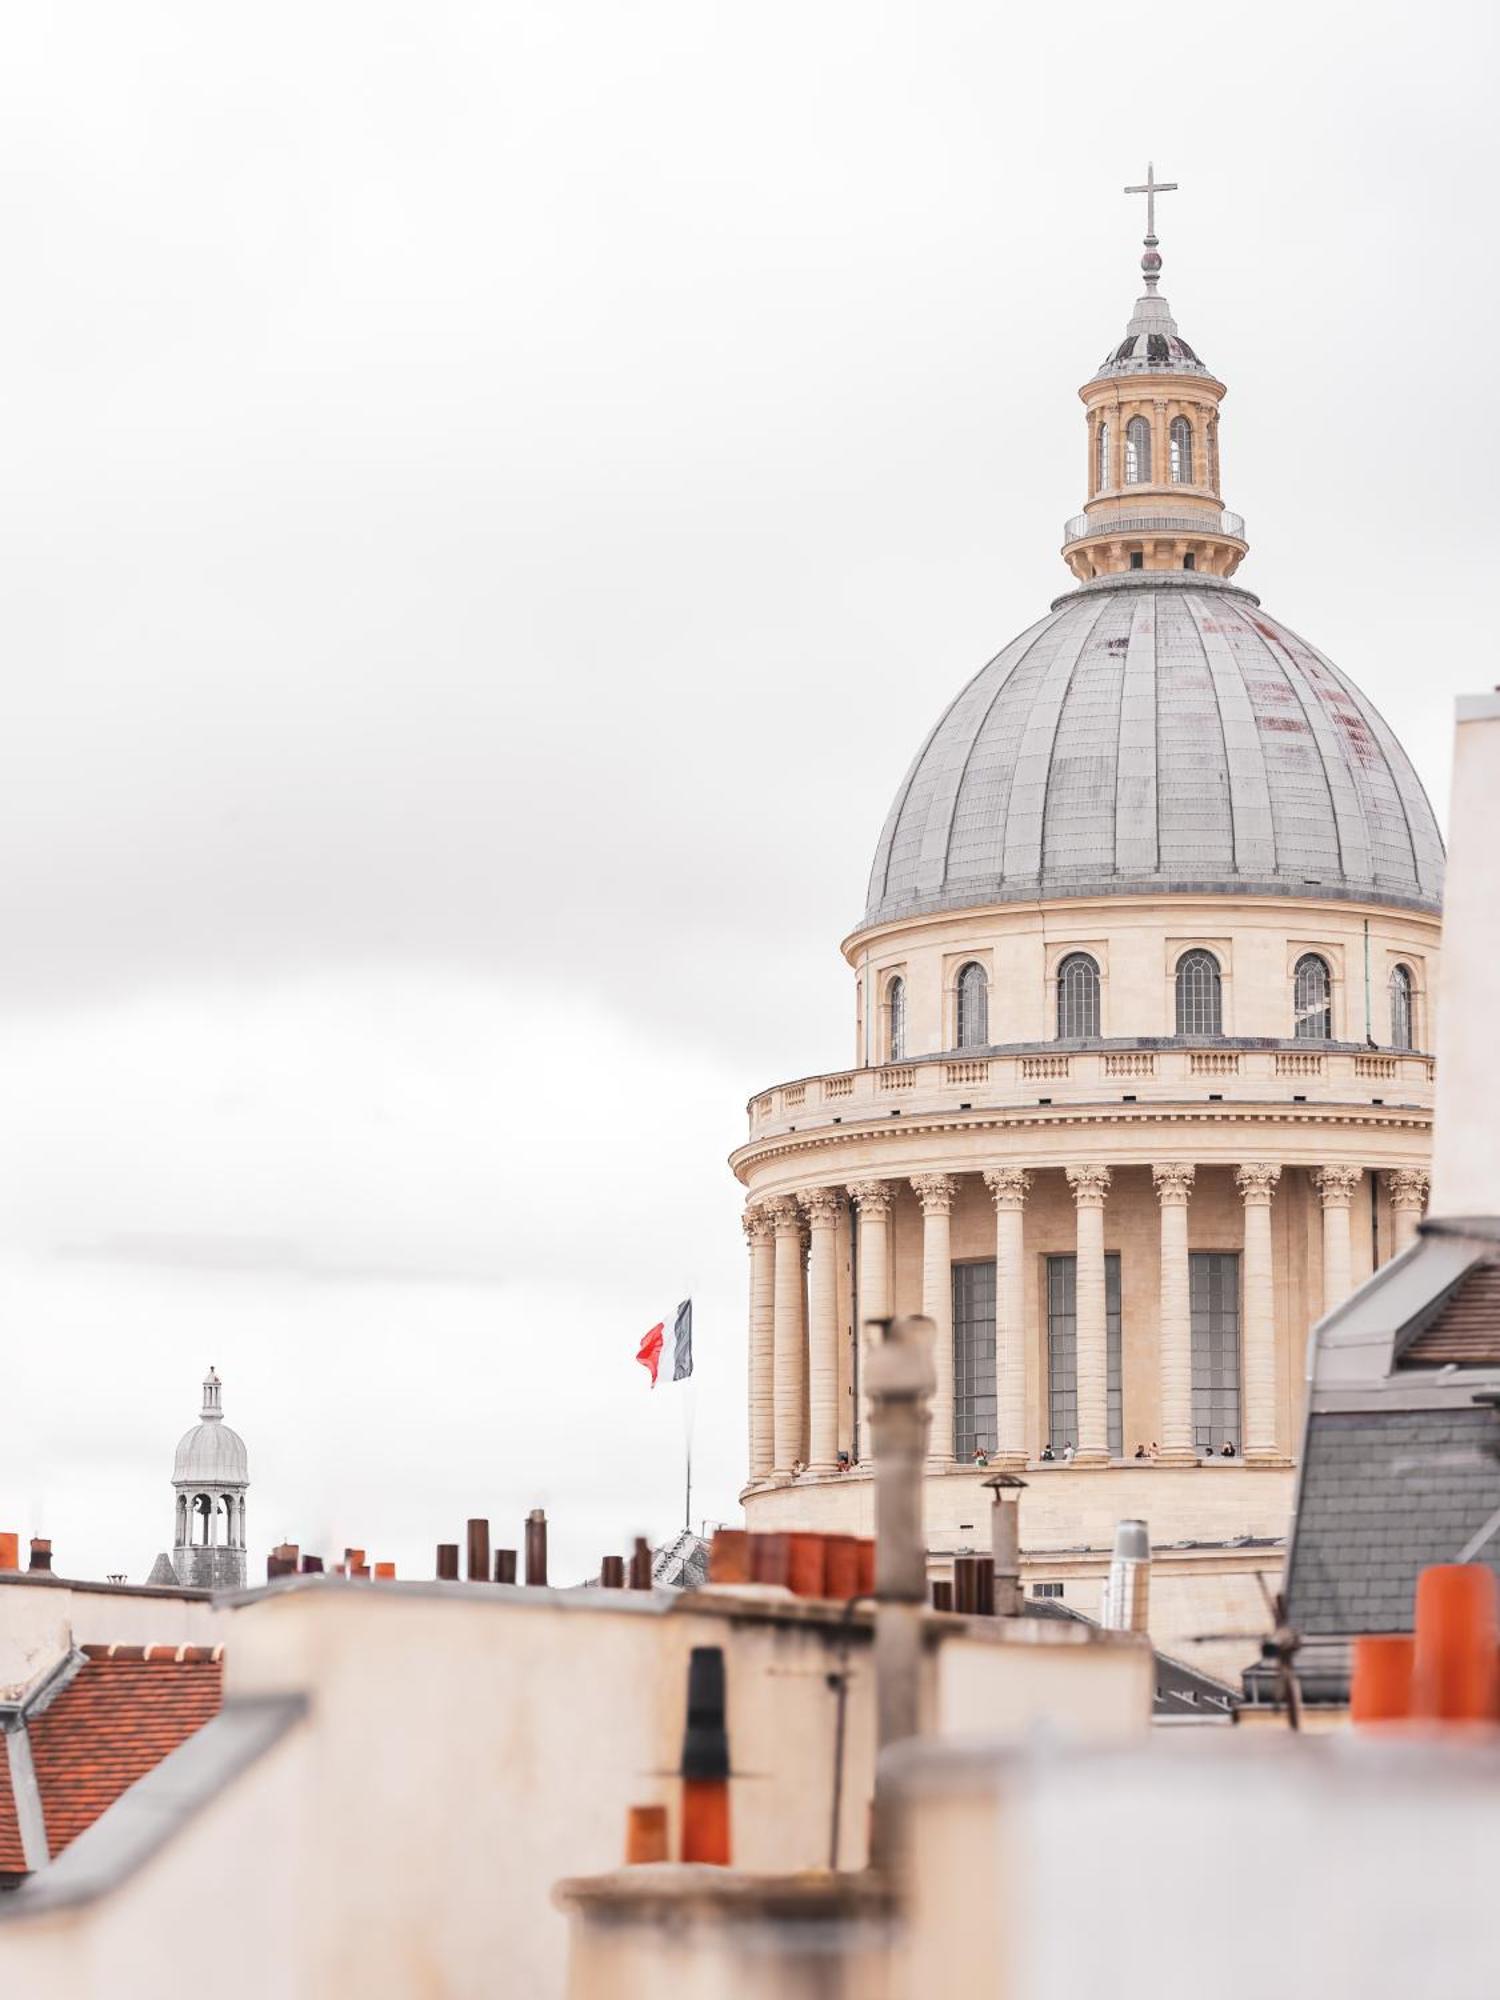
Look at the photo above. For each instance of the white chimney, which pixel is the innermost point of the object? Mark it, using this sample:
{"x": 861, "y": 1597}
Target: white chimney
{"x": 1466, "y": 1159}
{"x": 1127, "y": 1591}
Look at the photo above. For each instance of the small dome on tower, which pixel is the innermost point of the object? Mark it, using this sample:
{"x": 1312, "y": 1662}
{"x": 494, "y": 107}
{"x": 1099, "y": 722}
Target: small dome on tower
{"x": 211, "y": 1453}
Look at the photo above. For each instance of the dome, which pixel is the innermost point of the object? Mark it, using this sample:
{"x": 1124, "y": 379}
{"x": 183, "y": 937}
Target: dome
{"x": 211, "y": 1454}
{"x": 1157, "y": 731}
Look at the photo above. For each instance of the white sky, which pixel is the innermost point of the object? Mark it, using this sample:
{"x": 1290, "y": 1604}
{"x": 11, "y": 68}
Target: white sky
{"x": 491, "y": 498}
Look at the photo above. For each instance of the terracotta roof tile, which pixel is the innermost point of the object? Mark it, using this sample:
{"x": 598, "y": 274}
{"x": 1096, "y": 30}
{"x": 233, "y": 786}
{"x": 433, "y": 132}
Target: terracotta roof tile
{"x": 12, "y": 1859}
{"x": 115, "y": 1721}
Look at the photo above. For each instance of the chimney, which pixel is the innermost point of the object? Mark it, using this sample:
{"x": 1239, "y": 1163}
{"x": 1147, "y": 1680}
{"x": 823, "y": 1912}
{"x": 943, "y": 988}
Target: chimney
{"x": 1127, "y": 1591}
{"x": 10, "y": 1551}
{"x": 41, "y": 1553}
{"x": 640, "y": 1564}
{"x": 705, "y": 1761}
{"x": 447, "y": 1562}
{"x": 479, "y": 1551}
{"x": 1465, "y": 1177}
{"x": 536, "y": 1547}
{"x": 505, "y": 1565}
{"x": 899, "y": 1378}
{"x": 1005, "y": 1542}
{"x": 612, "y": 1573}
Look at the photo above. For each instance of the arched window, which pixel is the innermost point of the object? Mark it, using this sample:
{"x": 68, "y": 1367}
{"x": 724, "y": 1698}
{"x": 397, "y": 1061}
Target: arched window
{"x": 1101, "y": 459}
{"x": 895, "y": 1019}
{"x": 1312, "y": 999}
{"x": 1401, "y": 1008}
{"x": 1077, "y": 997}
{"x": 1180, "y": 437}
{"x": 1199, "y": 1000}
{"x": 1137, "y": 452}
{"x": 973, "y": 1007}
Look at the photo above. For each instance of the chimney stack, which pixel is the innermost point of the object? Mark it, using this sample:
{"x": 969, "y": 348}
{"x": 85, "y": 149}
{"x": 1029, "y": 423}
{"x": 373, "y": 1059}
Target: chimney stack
{"x": 505, "y": 1565}
{"x": 479, "y": 1551}
{"x": 705, "y": 1761}
{"x": 640, "y": 1564}
{"x": 447, "y": 1562}
{"x": 1005, "y": 1542}
{"x": 536, "y": 1547}
{"x": 1465, "y": 1178}
{"x": 41, "y": 1553}
{"x": 1127, "y": 1591}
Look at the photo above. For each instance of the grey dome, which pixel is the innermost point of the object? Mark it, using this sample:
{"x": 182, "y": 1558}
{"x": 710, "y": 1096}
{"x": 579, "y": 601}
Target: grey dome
{"x": 1157, "y": 731}
{"x": 211, "y": 1454}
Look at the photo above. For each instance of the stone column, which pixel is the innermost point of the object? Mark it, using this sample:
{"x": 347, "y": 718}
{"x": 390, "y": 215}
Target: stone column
{"x": 1257, "y": 1184}
{"x": 874, "y": 1301}
{"x": 1336, "y": 1186}
{"x": 1407, "y": 1188}
{"x": 821, "y": 1207}
{"x": 936, "y": 1192}
{"x": 1090, "y": 1185}
{"x": 1008, "y": 1187}
{"x": 760, "y": 1236}
{"x": 787, "y": 1340}
{"x": 1174, "y": 1184}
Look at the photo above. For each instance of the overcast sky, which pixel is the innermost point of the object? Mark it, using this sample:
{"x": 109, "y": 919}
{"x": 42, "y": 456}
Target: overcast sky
{"x": 491, "y": 498}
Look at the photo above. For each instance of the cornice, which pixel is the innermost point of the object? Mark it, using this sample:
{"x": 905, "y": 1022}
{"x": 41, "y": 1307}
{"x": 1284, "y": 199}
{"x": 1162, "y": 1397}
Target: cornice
{"x": 1397, "y": 1118}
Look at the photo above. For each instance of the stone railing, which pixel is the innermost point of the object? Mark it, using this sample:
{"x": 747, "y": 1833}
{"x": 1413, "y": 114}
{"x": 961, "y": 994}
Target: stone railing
{"x": 1083, "y": 527}
{"x": 1250, "y": 1073}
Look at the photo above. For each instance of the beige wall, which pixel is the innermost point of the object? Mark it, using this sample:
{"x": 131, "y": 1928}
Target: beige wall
{"x": 466, "y": 1747}
{"x": 40, "y": 1622}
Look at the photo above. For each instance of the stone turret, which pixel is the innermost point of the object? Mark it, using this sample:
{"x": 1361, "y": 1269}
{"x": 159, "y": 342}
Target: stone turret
{"x": 211, "y": 1476}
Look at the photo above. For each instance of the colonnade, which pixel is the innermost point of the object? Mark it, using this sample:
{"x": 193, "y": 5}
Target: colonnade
{"x": 794, "y": 1315}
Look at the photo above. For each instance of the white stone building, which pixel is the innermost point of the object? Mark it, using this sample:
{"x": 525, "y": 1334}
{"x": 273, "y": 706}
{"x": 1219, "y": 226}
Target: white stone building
{"x": 210, "y": 1477}
{"x": 1143, "y": 998}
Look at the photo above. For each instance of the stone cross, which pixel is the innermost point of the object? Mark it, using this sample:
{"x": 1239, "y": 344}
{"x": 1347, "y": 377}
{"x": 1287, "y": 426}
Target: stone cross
{"x": 1151, "y": 187}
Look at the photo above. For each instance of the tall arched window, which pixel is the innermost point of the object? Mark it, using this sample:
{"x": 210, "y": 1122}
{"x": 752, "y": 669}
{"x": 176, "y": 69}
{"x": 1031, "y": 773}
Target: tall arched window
{"x": 1199, "y": 1001}
{"x": 1137, "y": 452}
{"x": 895, "y": 1019}
{"x": 1312, "y": 999}
{"x": 1077, "y": 997}
{"x": 1401, "y": 1009}
{"x": 1101, "y": 458}
{"x": 973, "y": 1007}
{"x": 1180, "y": 437}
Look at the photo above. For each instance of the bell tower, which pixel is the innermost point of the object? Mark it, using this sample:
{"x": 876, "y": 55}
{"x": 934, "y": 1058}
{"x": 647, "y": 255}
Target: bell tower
{"x": 1154, "y": 498}
{"x": 211, "y": 1476}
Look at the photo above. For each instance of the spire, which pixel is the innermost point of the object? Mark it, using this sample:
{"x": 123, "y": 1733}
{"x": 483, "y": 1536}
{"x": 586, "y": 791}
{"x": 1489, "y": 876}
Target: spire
{"x": 1151, "y": 187}
{"x": 213, "y": 1408}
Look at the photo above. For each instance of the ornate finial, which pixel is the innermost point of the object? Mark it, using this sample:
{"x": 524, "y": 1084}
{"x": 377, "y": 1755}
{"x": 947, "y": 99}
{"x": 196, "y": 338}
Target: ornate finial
{"x": 1151, "y": 187}
{"x": 212, "y": 1407}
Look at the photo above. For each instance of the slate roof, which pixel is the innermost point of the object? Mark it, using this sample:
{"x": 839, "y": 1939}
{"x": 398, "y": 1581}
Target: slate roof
{"x": 1179, "y": 1690}
{"x": 1465, "y": 1328}
{"x": 1157, "y": 730}
{"x": 125, "y": 1709}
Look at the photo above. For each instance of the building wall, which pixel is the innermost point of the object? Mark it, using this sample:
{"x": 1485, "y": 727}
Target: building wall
{"x": 41, "y": 1621}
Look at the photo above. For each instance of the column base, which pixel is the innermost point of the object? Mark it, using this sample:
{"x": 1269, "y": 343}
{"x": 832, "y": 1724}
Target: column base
{"x": 1175, "y": 1455}
{"x": 822, "y": 1468}
{"x": 1007, "y": 1461}
{"x": 1091, "y": 1458}
{"x": 1263, "y": 1454}
{"x": 936, "y": 1464}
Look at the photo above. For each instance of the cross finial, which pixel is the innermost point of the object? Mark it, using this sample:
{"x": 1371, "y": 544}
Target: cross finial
{"x": 1151, "y": 187}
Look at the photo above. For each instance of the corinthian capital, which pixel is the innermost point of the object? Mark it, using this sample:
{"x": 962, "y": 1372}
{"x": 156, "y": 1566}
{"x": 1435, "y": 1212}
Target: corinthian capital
{"x": 1336, "y": 1185}
{"x": 756, "y": 1223}
{"x": 874, "y": 1197}
{"x": 1174, "y": 1183}
{"x": 1089, "y": 1184}
{"x": 1008, "y": 1186}
{"x": 786, "y": 1217}
{"x": 1257, "y": 1181}
{"x": 1407, "y": 1187}
{"x": 820, "y": 1205}
{"x": 935, "y": 1192}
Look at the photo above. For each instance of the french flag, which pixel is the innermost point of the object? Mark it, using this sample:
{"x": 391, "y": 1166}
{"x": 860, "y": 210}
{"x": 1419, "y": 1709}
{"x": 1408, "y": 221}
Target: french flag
{"x": 649, "y": 1351}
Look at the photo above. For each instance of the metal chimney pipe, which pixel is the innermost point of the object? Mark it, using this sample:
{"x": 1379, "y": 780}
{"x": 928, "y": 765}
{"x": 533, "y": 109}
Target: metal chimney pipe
{"x": 1005, "y": 1542}
{"x": 1127, "y": 1593}
{"x": 640, "y": 1564}
{"x": 536, "y": 1547}
{"x": 447, "y": 1562}
{"x": 612, "y": 1573}
{"x": 41, "y": 1553}
{"x": 479, "y": 1551}
{"x": 505, "y": 1565}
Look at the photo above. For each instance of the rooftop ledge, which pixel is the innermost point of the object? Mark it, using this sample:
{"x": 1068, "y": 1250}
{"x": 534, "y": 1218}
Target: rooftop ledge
{"x": 1105, "y": 1074}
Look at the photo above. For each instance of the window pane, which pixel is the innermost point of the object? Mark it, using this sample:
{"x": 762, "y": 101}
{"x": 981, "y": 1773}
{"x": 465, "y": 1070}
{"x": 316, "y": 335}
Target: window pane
{"x": 973, "y": 1359}
{"x": 1312, "y": 1001}
{"x": 896, "y": 1020}
{"x": 1137, "y": 452}
{"x": 1199, "y": 1010}
{"x": 1214, "y": 1300}
{"x": 1181, "y": 438}
{"x": 1401, "y": 1030}
{"x": 973, "y": 1008}
{"x": 1077, "y": 997}
{"x": 1062, "y": 1352}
